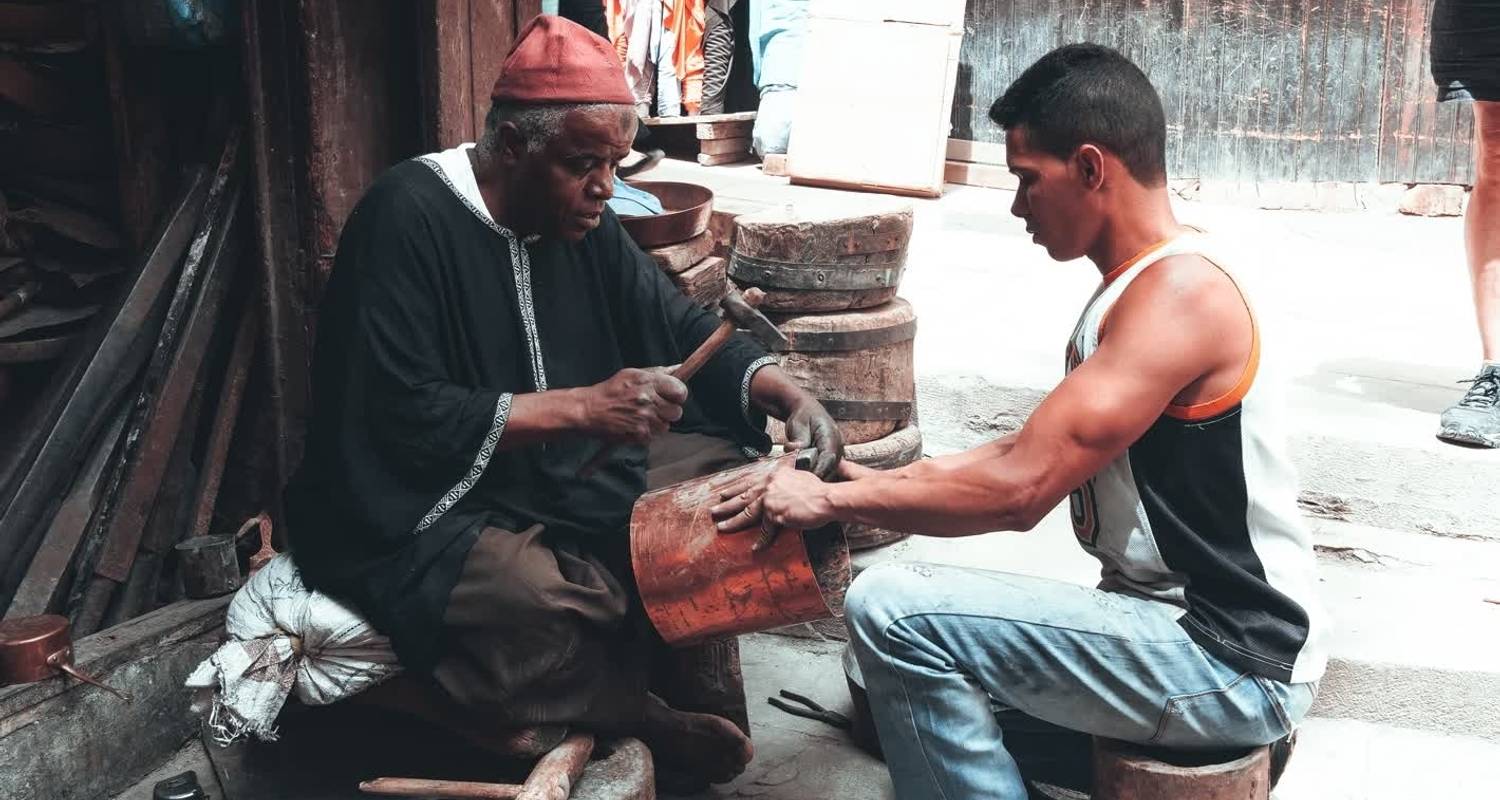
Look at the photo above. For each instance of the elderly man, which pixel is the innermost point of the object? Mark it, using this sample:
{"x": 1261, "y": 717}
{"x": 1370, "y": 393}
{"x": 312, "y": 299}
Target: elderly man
{"x": 1205, "y": 630}
{"x": 488, "y": 327}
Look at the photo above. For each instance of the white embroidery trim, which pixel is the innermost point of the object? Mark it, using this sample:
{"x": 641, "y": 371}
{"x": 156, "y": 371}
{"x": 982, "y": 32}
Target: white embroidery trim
{"x": 521, "y": 264}
{"x": 481, "y": 461}
{"x": 763, "y": 361}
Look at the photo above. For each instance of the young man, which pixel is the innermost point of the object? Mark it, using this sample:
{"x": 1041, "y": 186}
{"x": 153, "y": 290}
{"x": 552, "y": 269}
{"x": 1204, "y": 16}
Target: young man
{"x": 488, "y": 326}
{"x": 1204, "y": 630}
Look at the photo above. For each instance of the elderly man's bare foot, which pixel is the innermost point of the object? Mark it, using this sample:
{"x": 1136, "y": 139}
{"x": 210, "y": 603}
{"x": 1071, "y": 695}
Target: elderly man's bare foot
{"x": 695, "y": 746}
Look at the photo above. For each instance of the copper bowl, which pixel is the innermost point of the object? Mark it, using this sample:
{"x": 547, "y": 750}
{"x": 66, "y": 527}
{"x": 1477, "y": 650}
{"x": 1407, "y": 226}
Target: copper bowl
{"x": 688, "y": 207}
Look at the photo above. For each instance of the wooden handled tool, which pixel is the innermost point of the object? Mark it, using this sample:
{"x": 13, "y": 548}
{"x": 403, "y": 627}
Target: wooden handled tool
{"x": 551, "y": 779}
{"x": 739, "y": 311}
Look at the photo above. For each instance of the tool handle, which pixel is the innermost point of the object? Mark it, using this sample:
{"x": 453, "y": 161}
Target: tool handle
{"x": 684, "y": 372}
{"x": 62, "y": 660}
{"x": 554, "y": 775}
{"x": 423, "y": 787}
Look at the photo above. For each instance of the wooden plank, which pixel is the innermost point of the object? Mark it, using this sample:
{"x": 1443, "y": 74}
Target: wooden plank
{"x": 675, "y": 258}
{"x": 64, "y": 740}
{"x": 709, "y": 160}
{"x": 41, "y": 590}
{"x": 976, "y": 152}
{"x": 724, "y": 130}
{"x": 36, "y": 23}
{"x": 714, "y": 147}
{"x": 447, "y": 85}
{"x": 492, "y": 31}
{"x": 774, "y": 164}
{"x": 276, "y": 178}
{"x": 706, "y": 282}
{"x": 701, "y": 119}
{"x": 86, "y": 389}
{"x": 221, "y": 434}
{"x": 138, "y": 80}
{"x": 988, "y": 176}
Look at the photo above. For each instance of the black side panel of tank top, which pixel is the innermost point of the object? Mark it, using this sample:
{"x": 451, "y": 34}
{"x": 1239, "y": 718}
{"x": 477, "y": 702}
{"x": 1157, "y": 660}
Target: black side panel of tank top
{"x": 1191, "y": 479}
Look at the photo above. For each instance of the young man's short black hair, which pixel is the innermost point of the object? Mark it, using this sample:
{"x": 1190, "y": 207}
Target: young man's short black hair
{"x": 1089, "y": 94}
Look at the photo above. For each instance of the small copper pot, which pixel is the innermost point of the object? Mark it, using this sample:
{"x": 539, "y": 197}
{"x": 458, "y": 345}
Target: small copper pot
{"x": 40, "y": 647}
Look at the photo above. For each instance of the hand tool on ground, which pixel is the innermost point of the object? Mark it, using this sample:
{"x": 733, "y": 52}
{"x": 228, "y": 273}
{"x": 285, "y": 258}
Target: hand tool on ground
{"x": 813, "y": 711}
{"x": 36, "y": 648}
{"x": 552, "y": 778}
{"x": 739, "y": 311}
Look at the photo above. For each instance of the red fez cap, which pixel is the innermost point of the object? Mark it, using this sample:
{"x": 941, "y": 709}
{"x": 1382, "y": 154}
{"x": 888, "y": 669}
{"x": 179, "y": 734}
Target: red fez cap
{"x": 556, "y": 60}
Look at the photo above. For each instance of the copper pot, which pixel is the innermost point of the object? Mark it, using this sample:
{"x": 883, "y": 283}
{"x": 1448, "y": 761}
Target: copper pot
{"x": 698, "y": 583}
{"x": 37, "y": 648}
{"x": 686, "y": 211}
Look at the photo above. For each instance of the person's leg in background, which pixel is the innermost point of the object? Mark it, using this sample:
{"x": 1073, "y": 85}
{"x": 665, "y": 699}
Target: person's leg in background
{"x": 1476, "y": 418}
{"x": 937, "y": 643}
{"x": 1465, "y": 50}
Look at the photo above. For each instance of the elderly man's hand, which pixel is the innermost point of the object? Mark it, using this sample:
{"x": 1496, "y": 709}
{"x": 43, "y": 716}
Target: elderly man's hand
{"x": 633, "y": 405}
{"x": 809, "y": 425}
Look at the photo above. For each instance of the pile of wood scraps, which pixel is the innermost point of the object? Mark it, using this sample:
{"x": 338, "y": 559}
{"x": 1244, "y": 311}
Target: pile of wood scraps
{"x": 59, "y": 246}
{"x": 121, "y": 456}
{"x": 712, "y": 139}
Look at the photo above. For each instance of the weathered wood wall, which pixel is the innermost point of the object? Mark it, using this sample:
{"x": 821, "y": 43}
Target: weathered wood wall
{"x": 1254, "y": 90}
{"x": 463, "y": 43}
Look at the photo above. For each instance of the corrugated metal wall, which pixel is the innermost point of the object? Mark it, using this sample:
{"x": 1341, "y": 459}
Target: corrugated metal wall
{"x": 1254, "y": 90}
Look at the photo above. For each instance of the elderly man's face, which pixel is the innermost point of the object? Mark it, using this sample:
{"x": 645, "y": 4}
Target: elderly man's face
{"x": 574, "y": 175}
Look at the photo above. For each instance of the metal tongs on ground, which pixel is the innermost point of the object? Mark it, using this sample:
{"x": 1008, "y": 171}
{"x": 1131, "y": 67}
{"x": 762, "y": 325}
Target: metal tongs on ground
{"x": 813, "y": 711}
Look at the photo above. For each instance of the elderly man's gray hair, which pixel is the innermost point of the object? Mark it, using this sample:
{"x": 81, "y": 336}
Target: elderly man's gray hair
{"x": 538, "y": 124}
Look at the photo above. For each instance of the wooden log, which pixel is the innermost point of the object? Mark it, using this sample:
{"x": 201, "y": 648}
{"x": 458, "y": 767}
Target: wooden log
{"x": 706, "y": 283}
{"x": 708, "y": 160}
{"x": 676, "y": 258}
{"x": 704, "y": 678}
{"x": 889, "y": 452}
{"x": 739, "y": 145}
{"x": 823, "y": 256}
{"x": 721, "y": 223}
{"x": 1124, "y": 771}
{"x": 554, "y": 775}
{"x": 857, "y": 363}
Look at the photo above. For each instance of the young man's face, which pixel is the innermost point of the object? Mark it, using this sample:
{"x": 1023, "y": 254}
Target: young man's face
{"x": 1054, "y": 199}
{"x": 574, "y": 174}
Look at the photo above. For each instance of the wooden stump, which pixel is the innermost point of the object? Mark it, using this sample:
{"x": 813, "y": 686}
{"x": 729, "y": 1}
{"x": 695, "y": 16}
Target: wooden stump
{"x": 857, "y": 363}
{"x": 676, "y": 258}
{"x": 1124, "y": 771}
{"x": 823, "y": 256}
{"x": 896, "y": 450}
{"x": 707, "y": 282}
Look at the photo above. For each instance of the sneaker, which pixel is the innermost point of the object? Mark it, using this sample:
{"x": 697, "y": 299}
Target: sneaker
{"x": 1475, "y": 420}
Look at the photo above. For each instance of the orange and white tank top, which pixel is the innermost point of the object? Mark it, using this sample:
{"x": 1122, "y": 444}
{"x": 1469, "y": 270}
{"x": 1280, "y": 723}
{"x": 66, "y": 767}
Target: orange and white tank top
{"x": 1201, "y": 511}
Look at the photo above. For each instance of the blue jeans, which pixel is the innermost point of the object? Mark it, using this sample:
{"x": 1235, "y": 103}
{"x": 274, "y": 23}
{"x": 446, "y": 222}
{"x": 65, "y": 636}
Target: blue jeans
{"x": 938, "y": 644}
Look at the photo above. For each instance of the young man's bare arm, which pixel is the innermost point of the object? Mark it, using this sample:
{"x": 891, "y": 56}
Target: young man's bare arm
{"x": 1176, "y": 327}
